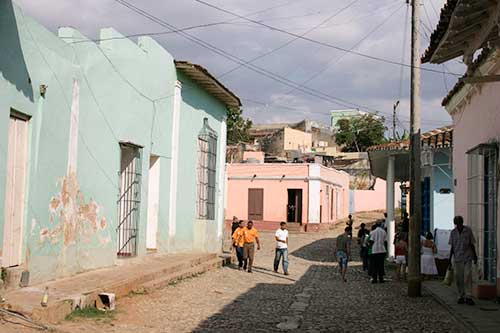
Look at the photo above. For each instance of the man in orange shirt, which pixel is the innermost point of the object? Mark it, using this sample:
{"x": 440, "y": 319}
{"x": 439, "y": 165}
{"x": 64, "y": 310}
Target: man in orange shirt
{"x": 250, "y": 235}
{"x": 239, "y": 243}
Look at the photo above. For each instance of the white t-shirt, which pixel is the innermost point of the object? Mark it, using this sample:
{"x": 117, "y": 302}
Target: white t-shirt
{"x": 282, "y": 235}
{"x": 378, "y": 236}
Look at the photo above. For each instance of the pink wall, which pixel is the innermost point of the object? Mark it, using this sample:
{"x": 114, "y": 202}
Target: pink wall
{"x": 268, "y": 177}
{"x": 275, "y": 191}
{"x": 478, "y": 122}
{"x": 369, "y": 200}
{"x": 329, "y": 208}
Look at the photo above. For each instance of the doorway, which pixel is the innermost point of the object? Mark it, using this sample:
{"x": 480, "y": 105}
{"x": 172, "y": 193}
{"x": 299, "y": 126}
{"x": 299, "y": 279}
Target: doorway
{"x": 255, "y": 204}
{"x": 153, "y": 202}
{"x": 15, "y": 190}
{"x": 129, "y": 200}
{"x": 294, "y": 206}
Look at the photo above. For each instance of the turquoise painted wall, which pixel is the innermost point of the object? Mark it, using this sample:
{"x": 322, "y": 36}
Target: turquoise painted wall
{"x": 126, "y": 95}
{"x": 442, "y": 178}
{"x": 192, "y": 233}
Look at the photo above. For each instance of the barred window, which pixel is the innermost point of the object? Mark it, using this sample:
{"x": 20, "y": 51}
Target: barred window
{"x": 207, "y": 165}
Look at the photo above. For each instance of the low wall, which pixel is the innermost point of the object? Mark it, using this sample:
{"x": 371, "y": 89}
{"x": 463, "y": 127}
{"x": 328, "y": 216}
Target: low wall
{"x": 370, "y": 200}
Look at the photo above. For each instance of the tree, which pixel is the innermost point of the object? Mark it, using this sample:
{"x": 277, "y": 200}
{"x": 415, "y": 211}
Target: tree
{"x": 357, "y": 134}
{"x": 237, "y": 127}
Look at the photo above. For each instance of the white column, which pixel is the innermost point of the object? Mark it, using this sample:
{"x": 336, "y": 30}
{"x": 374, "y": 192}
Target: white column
{"x": 172, "y": 216}
{"x": 73, "y": 128}
{"x": 314, "y": 193}
{"x": 390, "y": 224}
{"x": 222, "y": 178}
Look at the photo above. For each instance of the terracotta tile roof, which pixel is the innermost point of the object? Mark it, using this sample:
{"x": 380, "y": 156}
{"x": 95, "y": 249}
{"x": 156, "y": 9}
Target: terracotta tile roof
{"x": 460, "y": 24}
{"x": 437, "y": 138}
{"x": 438, "y": 34}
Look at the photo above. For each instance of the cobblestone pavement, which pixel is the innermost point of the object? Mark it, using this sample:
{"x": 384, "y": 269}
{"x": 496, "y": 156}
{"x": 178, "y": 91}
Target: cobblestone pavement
{"x": 311, "y": 299}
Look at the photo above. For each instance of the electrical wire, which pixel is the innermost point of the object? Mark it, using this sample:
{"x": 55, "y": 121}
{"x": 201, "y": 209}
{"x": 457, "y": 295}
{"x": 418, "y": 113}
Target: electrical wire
{"x": 282, "y": 46}
{"x": 322, "y": 43}
{"x": 159, "y": 33}
{"x": 254, "y": 68}
{"x": 331, "y": 63}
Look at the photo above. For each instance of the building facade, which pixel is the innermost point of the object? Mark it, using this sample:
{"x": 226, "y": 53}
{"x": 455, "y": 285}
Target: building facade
{"x": 309, "y": 196}
{"x": 469, "y": 29}
{"x": 93, "y": 140}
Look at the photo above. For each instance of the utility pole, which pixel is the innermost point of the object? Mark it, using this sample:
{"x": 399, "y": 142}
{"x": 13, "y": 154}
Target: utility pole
{"x": 394, "y": 120}
{"x": 414, "y": 282}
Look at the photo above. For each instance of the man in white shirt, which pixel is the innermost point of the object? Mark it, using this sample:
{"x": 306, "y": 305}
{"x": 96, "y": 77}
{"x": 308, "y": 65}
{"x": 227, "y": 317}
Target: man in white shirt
{"x": 281, "y": 237}
{"x": 378, "y": 237}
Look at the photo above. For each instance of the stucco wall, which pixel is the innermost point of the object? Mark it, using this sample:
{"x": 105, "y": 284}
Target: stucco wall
{"x": 369, "y": 200}
{"x": 297, "y": 176}
{"x": 478, "y": 122}
{"x": 126, "y": 93}
{"x": 297, "y": 140}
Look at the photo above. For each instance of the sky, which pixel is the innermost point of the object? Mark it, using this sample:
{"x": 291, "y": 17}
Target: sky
{"x": 274, "y": 61}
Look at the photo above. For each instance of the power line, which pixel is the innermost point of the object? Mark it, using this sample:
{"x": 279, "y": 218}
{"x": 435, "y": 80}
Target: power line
{"x": 254, "y": 68}
{"x": 329, "y": 64}
{"x": 388, "y": 61}
{"x": 291, "y": 40}
{"x": 192, "y": 27}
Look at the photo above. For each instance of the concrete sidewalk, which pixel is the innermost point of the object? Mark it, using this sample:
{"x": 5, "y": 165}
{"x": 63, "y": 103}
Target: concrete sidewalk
{"x": 483, "y": 317}
{"x": 81, "y": 290}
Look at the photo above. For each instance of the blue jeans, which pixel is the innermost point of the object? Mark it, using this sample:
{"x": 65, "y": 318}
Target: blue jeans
{"x": 277, "y": 258}
{"x": 239, "y": 255}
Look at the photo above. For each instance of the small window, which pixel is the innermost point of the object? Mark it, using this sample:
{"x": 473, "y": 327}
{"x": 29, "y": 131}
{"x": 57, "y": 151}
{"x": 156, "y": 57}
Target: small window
{"x": 207, "y": 166}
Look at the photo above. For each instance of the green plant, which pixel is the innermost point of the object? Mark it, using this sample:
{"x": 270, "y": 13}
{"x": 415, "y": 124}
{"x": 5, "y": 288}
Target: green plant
{"x": 3, "y": 274}
{"x": 90, "y": 313}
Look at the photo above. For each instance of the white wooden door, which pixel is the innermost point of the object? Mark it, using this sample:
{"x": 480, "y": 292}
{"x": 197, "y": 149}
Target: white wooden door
{"x": 153, "y": 202}
{"x": 15, "y": 192}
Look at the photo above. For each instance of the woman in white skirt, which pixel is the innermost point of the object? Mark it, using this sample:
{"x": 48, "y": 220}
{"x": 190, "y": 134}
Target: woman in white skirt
{"x": 427, "y": 262}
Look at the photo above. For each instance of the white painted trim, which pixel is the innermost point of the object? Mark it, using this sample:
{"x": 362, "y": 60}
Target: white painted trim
{"x": 305, "y": 179}
{"x": 222, "y": 177}
{"x": 172, "y": 216}
{"x": 73, "y": 128}
{"x": 314, "y": 194}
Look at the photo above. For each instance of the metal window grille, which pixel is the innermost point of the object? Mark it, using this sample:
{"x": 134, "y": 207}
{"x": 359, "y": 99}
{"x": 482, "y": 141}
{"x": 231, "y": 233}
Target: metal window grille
{"x": 207, "y": 167}
{"x": 482, "y": 204}
{"x": 129, "y": 200}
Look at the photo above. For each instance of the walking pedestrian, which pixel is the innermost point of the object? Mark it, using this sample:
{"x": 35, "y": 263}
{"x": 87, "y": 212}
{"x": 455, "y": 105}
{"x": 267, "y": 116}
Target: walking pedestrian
{"x": 427, "y": 260}
{"x": 239, "y": 243}
{"x": 405, "y": 224}
{"x": 363, "y": 243}
{"x": 281, "y": 237}
{"x": 343, "y": 252}
{"x": 401, "y": 251}
{"x": 371, "y": 260}
{"x": 349, "y": 223}
{"x": 463, "y": 253}
{"x": 235, "y": 224}
{"x": 250, "y": 235}
{"x": 379, "y": 238}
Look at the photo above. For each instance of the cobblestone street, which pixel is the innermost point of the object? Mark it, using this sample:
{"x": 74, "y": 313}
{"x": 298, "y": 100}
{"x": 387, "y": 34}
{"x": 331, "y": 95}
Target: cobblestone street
{"x": 311, "y": 299}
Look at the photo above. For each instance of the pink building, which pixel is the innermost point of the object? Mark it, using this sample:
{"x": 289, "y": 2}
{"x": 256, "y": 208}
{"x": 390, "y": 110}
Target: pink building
{"x": 473, "y": 104}
{"x": 308, "y": 196}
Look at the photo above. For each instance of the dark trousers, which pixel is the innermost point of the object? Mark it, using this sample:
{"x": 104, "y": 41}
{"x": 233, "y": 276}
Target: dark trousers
{"x": 239, "y": 255}
{"x": 378, "y": 270}
{"x": 364, "y": 256}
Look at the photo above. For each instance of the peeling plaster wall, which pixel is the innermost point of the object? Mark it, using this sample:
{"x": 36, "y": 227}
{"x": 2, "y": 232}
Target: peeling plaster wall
{"x": 72, "y": 216}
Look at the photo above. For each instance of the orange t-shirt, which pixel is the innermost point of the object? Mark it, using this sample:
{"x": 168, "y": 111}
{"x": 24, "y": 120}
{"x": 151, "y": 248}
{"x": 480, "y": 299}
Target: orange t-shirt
{"x": 238, "y": 238}
{"x": 250, "y": 234}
